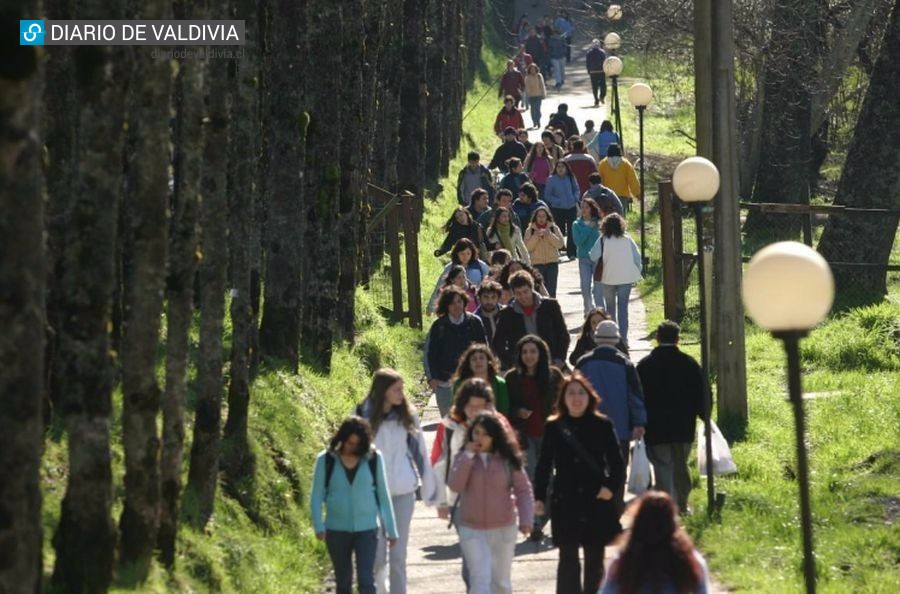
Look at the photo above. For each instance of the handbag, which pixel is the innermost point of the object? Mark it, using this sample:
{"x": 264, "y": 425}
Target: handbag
{"x": 639, "y": 477}
{"x": 579, "y": 449}
{"x": 598, "y": 271}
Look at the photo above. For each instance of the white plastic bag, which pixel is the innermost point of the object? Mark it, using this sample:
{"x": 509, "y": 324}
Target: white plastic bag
{"x": 723, "y": 463}
{"x": 639, "y": 477}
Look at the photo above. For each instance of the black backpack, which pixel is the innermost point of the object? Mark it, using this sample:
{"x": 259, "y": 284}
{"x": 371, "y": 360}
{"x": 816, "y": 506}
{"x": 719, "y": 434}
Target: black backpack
{"x": 373, "y": 469}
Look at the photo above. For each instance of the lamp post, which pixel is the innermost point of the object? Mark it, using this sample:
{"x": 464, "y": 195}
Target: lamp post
{"x": 788, "y": 289}
{"x": 640, "y": 96}
{"x": 612, "y": 67}
{"x": 696, "y": 181}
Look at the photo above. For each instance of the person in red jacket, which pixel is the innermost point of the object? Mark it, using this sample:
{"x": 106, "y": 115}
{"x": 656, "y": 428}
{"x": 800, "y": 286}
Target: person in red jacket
{"x": 581, "y": 164}
{"x": 509, "y": 117}
{"x": 512, "y": 83}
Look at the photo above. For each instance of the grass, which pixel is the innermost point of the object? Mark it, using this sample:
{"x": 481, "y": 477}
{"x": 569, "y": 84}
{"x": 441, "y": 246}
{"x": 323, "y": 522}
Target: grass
{"x": 851, "y": 362}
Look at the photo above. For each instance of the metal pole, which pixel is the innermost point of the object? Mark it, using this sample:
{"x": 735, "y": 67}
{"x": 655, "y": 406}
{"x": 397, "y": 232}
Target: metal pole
{"x": 792, "y": 348}
{"x": 704, "y": 363}
{"x": 641, "y": 109}
{"x": 618, "y": 114}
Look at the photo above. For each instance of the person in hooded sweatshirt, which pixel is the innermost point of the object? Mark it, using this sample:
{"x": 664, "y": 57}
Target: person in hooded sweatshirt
{"x": 511, "y": 147}
{"x": 399, "y": 438}
{"x": 561, "y": 120}
{"x": 605, "y": 137}
{"x": 619, "y": 176}
{"x": 508, "y": 116}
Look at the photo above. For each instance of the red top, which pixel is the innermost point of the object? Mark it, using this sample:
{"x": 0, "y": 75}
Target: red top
{"x": 531, "y": 396}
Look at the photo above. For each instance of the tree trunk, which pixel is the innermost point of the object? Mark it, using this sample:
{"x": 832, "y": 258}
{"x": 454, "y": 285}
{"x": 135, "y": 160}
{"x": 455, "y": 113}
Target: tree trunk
{"x": 200, "y": 493}
{"x": 148, "y": 197}
{"x": 354, "y": 157}
{"x": 410, "y": 159}
{"x": 790, "y": 81}
{"x": 474, "y": 10}
{"x": 242, "y": 198}
{"x": 437, "y": 41}
{"x": 85, "y": 536}
{"x": 279, "y": 335}
{"x": 870, "y": 179}
{"x": 22, "y": 314}
{"x": 323, "y": 174}
{"x": 183, "y": 247}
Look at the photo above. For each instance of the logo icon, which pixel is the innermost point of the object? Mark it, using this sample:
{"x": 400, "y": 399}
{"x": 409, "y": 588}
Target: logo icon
{"x": 31, "y": 32}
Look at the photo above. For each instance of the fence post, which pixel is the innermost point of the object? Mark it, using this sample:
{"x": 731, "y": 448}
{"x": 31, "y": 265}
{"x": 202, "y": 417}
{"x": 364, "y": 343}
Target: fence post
{"x": 673, "y": 293}
{"x": 392, "y": 234}
{"x": 411, "y": 245}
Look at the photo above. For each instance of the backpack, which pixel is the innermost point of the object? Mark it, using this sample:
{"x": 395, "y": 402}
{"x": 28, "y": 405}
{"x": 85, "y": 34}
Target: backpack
{"x": 373, "y": 469}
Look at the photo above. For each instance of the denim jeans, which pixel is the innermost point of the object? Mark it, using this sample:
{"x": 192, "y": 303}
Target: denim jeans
{"x": 559, "y": 70}
{"x": 535, "y": 105}
{"x": 616, "y": 298}
{"x": 342, "y": 546}
{"x": 489, "y": 556}
{"x": 391, "y": 560}
{"x": 591, "y": 292}
{"x": 550, "y": 272}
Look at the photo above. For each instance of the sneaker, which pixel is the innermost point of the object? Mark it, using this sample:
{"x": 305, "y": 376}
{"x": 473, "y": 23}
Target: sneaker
{"x": 603, "y": 102}
{"x": 537, "y": 535}
{"x": 596, "y": 103}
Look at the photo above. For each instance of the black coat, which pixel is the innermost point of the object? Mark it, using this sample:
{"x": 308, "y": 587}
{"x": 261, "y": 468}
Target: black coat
{"x": 516, "y": 400}
{"x": 577, "y": 516}
{"x": 446, "y": 342}
{"x": 673, "y": 395}
{"x": 505, "y": 151}
{"x": 551, "y": 326}
{"x": 586, "y": 345}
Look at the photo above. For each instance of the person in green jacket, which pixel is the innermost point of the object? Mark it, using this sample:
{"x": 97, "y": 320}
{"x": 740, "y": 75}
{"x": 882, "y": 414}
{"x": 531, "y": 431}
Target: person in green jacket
{"x": 478, "y": 361}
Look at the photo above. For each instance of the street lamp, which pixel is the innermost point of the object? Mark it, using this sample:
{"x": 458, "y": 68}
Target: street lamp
{"x": 612, "y": 67}
{"x": 640, "y": 96}
{"x": 788, "y": 289}
{"x": 614, "y": 12}
{"x": 696, "y": 181}
{"x": 612, "y": 41}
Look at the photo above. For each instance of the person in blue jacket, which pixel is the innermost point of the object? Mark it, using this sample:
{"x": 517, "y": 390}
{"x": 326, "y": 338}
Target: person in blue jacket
{"x": 349, "y": 481}
{"x": 604, "y": 138}
{"x": 563, "y": 195}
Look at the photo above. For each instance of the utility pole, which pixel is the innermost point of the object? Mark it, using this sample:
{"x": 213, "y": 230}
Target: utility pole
{"x": 728, "y": 313}
{"x": 703, "y": 77}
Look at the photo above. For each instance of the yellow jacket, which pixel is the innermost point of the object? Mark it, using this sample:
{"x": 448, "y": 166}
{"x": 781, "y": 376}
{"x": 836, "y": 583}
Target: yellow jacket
{"x": 544, "y": 250}
{"x": 621, "y": 180}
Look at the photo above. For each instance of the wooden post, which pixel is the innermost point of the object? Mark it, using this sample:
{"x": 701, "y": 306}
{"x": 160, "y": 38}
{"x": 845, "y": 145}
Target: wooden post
{"x": 392, "y": 238}
{"x": 703, "y": 83}
{"x": 728, "y": 311}
{"x": 678, "y": 240}
{"x": 673, "y": 292}
{"x": 411, "y": 245}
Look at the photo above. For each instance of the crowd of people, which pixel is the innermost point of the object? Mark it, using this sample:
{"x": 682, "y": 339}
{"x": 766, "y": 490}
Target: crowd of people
{"x": 530, "y": 433}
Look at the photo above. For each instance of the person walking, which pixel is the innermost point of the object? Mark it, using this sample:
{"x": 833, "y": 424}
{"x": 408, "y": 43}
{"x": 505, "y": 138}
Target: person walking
{"x": 588, "y": 136}
{"x": 527, "y": 203}
{"x": 495, "y": 502}
{"x": 503, "y": 234}
{"x": 581, "y": 164}
{"x": 530, "y": 313}
{"x": 536, "y": 91}
{"x": 479, "y": 203}
{"x": 349, "y": 481}
{"x": 515, "y": 177}
{"x": 557, "y": 50}
{"x": 512, "y": 267}
{"x": 488, "y": 294}
{"x": 581, "y": 451}
{"x": 605, "y": 198}
{"x": 544, "y": 239}
{"x": 561, "y": 120}
{"x": 614, "y": 375}
{"x": 509, "y": 115}
{"x": 535, "y": 46}
{"x": 465, "y": 254}
{"x": 479, "y": 361}
{"x": 585, "y": 232}
{"x": 675, "y": 397}
{"x": 449, "y": 336}
{"x": 505, "y": 199}
{"x": 562, "y": 194}
{"x": 622, "y": 267}
{"x": 619, "y": 176}
{"x": 511, "y": 147}
{"x": 658, "y": 555}
{"x": 539, "y": 166}
{"x": 533, "y": 386}
{"x": 459, "y": 226}
{"x": 399, "y": 438}
{"x": 566, "y": 28}
{"x": 512, "y": 85}
{"x": 594, "y": 61}
{"x": 473, "y": 176}
{"x": 605, "y": 137}
{"x": 456, "y": 277}
{"x": 585, "y": 343}
{"x": 555, "y": 152}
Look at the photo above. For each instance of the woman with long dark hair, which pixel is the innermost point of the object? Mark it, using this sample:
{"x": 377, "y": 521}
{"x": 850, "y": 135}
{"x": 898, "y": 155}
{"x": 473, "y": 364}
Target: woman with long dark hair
{"x": 539, "y": 166}
{"x": 581, "y": 447}
{"x": 544, "y": 240}
{"x": 533, "y": 384}
{"x": 349, "y": 480}
{"x": 585, "y": 231}
{"x": 503, "y": 234}
{"x": 401, "y": 442}
{"x": 495, "y": 502}
{"x": 658, "y": 555}
{"x": 586, "y": 342}
{"x": 465, "y": 254}
{"x": 479, "y": 361}
{"x": 460, "y": 225}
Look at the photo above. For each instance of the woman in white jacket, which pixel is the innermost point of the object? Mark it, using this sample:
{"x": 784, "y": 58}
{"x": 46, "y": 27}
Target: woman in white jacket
{"x": 622, "y": 267}
{"x": 401, "y": 442}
